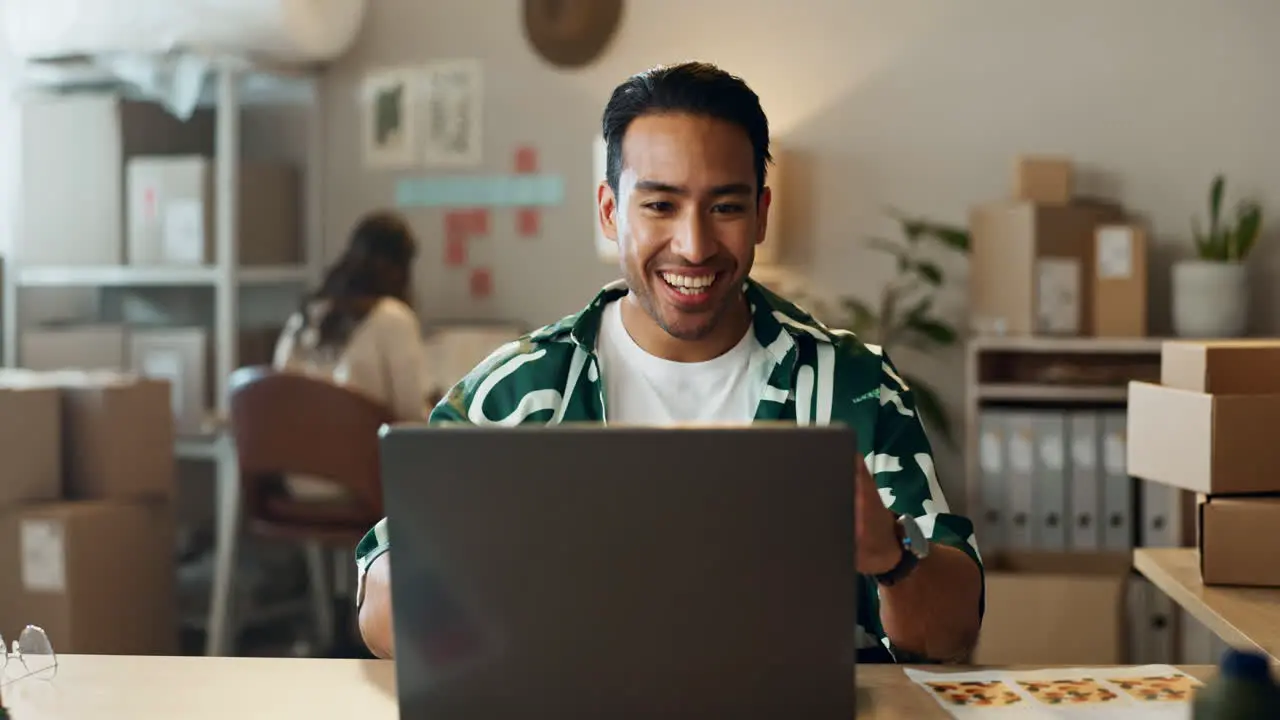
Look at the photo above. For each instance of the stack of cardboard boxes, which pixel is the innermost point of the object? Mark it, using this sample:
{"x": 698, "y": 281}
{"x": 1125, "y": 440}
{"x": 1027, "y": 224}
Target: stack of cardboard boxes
{"x": 86, "y": 512}
{"x": 1210, "y": 427}
{"x": 1049, "y": 263}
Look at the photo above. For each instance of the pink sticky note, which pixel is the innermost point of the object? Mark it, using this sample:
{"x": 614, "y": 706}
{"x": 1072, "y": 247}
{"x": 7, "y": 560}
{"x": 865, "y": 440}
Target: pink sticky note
{"x": 457, "y": 224}
{"x": 528, "y": 221}
{"x": 479, "y": 222}
{"x": 526, "y": 160}
{"x": 481, "y": 283}
{"x": 455, "y": 251}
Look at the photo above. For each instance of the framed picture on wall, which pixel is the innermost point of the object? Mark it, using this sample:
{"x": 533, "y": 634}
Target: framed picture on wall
{"x": 388, "y": 123}
{"x": 452, "y": 113}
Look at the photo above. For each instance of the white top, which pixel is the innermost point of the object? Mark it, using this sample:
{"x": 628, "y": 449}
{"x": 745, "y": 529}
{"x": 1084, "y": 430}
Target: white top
{"x": 641, "y": 389}
{"x": 384, "y": 360}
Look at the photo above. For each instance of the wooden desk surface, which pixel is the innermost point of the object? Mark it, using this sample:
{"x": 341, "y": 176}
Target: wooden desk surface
{"x": 1243, "y": 617}
{"x": 105, "y": 687}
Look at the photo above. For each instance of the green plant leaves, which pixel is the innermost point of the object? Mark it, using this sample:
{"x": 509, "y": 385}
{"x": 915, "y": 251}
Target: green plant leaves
{"x": 935, "y": 330}
{"x": 1227, "y": 241}
{"x": 862, "y": 320}
{"x": 1248, "y": 225}
{"x": 1216, "y": 189}
{"x": 929, "y": 271}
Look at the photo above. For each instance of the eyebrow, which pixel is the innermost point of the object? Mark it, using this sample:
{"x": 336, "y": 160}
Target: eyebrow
{"x": 662, "y": 187}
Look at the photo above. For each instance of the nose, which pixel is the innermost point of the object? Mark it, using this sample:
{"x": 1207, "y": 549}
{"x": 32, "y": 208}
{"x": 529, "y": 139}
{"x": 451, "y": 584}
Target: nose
{"x": 694, "y": 241}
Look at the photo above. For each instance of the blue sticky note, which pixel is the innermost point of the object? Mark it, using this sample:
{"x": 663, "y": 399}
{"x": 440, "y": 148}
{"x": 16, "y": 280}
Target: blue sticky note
{"x": 481, "y": 191}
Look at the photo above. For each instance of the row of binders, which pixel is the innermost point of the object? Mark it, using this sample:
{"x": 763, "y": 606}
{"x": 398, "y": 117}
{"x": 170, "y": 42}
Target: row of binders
{"x": 1056, "y": 480}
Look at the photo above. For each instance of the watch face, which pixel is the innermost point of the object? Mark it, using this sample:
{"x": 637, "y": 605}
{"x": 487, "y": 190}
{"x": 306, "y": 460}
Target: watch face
{"x": 917, "y": 543}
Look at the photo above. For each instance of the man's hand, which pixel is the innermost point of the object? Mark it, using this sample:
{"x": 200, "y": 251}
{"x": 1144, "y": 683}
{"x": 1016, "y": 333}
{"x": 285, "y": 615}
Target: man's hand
{"x": 375, "y": 611}
{"x": 875, "y": 527}
{"x": 933, "y": 612}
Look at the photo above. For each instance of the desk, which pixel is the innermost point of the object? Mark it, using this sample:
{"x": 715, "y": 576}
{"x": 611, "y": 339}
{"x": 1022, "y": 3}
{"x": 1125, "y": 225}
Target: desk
{"x": 1242, "y": 617}
{"x": 103, "y": 687}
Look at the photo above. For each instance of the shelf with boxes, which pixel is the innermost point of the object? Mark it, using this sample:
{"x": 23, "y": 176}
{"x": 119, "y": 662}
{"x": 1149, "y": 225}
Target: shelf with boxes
{"x": 119, "y": 194}
{"x": 1051, "y": 496}
{"x": 175, "y": 231}
{"x": 1059, "y": 307}
{"x": 1207, "y": 427}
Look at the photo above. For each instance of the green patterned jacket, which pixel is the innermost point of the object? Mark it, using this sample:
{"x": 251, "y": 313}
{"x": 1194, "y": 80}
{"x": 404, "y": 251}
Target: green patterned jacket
{"x": 819, "y": 375}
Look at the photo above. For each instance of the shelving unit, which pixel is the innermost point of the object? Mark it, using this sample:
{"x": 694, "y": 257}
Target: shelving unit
{"x": 1068, "y": 373}
{"x": 237, "y": 83}
{"x": 1021, "y": 370}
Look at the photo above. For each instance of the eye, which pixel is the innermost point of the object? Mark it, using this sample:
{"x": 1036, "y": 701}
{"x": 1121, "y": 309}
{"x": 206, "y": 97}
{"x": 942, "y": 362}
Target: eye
{"x": 659, "y": 206}
{"x": 728, "y": 208}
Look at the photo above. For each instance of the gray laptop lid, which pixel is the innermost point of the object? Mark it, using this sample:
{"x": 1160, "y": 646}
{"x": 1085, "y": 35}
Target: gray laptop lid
{"x": 590, "y": 572}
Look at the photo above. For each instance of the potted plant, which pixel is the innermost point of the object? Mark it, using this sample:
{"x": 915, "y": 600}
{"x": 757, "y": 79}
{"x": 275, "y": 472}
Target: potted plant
{"x": 1211, "y": 290}
{"x": 903, "y": 314}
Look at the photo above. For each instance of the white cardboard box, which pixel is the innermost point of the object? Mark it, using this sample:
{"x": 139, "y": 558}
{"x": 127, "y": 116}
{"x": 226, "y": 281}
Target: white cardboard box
{"x": 171, "y": 212}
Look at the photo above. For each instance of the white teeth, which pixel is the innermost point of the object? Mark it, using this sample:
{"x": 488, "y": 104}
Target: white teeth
{"x": 689, "y": 284}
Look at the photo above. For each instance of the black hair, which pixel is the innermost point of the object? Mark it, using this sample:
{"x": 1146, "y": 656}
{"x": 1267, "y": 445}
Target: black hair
{"x": 375, "y": 265}
{"x": 696, "y": 88}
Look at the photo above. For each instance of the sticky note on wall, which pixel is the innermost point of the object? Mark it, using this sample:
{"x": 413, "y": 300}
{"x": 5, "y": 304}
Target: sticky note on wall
{"x": 480, "y": 191}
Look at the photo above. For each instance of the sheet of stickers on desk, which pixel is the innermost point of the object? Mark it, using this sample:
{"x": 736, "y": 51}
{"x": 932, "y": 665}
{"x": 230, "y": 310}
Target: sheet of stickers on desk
{"x": 1144, "y": 692}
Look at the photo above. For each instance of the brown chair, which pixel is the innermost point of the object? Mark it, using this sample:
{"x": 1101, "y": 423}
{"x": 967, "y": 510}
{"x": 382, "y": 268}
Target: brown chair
{"x": 286, "y": 423}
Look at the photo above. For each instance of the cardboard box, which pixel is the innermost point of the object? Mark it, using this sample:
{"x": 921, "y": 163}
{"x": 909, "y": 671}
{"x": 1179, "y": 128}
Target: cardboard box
{"x": 1120, "y": 281}
{"x": 1044, "y": 179}
{"x": 74, "y": 151}
{"x": 1221, "y": 367}
{"x": 1238, "y": 540}
{"x": 118, "y": 437}
{"x": 1029, "y": 266}
{"x": 1047, "y": 608}
{"x": 79, "y": 347}
{"x": 180, "y": 357}
{"x": 98, "y": 577}
{"x": 172, "y": 203}
{"x": 30, "y": 440}
{"x": 1214, "y": 444}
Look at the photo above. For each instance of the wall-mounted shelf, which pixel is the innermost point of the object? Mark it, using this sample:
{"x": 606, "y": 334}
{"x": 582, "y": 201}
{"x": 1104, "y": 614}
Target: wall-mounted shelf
{"x": 177, "y": 275}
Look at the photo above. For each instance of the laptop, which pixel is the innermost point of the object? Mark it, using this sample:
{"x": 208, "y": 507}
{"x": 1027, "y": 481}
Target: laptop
{"x": 590, "y": 572}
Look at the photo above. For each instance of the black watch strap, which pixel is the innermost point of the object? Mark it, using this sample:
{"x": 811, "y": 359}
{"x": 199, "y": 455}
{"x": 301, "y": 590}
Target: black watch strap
{"x": 905, "y": 565}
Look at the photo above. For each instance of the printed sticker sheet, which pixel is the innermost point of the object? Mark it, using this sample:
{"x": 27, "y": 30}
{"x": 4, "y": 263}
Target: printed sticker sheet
{"x": 1145, "y": 692}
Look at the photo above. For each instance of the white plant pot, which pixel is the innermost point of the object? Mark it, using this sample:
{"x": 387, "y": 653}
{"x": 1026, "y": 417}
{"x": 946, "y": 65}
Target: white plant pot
{"x": 1210, "y": 299}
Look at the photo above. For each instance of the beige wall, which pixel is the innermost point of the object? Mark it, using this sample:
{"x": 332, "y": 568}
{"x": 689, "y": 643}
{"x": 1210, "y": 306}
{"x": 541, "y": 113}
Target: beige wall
{"x": 915, "y": 103}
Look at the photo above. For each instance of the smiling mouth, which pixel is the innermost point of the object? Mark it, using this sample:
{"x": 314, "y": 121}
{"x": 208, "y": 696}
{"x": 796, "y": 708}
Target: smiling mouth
{"x": 690, "y": 285}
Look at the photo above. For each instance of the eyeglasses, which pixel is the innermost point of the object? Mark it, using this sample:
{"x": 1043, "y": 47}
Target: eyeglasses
{"x": 34, "y": 654}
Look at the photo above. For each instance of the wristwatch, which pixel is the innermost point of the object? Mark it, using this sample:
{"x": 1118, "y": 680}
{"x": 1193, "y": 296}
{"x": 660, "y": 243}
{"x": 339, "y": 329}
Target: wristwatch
{"x": 915, "y": 547}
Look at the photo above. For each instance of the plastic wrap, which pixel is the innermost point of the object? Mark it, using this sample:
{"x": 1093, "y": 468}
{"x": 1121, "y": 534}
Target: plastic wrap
{"x": 168, "y": 49}
{"x": 286, "y": 31}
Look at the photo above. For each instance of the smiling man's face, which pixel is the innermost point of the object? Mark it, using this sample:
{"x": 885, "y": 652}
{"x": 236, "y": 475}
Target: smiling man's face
{"x": 687, "y": 218}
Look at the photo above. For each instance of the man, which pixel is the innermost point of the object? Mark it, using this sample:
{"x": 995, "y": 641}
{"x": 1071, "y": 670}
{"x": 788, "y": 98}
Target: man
{"x": 687, "y": 337}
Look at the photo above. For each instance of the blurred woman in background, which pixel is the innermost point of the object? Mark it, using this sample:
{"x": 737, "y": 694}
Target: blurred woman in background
{"x": 360, "y": 331}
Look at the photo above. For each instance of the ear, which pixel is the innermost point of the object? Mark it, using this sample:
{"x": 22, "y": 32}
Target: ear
{"x": 762, "y": 212}
{"x": 607, "y": 210}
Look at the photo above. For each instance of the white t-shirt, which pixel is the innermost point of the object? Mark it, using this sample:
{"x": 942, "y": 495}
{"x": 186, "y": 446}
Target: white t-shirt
{"x": 641, "y": 389}
{"x": 384, "y": 360}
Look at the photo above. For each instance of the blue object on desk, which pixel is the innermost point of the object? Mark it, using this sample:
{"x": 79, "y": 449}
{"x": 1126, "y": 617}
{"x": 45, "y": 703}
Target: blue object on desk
{"x": 481, "y": 191}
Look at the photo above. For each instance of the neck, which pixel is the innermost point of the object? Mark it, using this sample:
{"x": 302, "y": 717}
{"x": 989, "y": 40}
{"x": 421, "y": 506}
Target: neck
{"x": 658, "y": 342}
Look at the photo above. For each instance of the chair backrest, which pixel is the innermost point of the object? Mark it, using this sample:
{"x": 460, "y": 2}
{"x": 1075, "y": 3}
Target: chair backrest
{"x": 286, "y": 423}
